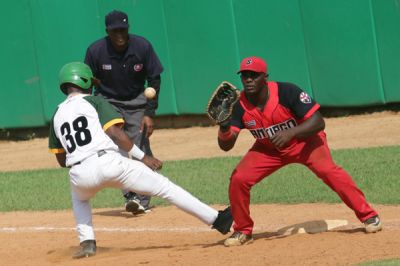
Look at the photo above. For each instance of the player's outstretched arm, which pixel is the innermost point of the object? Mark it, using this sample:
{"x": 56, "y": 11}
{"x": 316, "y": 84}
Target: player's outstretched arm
{"x": 125, "y": 143}
{"x": 120, "y": 138}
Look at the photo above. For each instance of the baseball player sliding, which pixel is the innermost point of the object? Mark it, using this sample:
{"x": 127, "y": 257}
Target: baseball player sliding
{"x": 288, "y": 128}
{"x": 85, "y": 134}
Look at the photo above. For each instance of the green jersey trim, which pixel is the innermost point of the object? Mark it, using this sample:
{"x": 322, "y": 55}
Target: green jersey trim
{"x": 54, "y": 143}
{"x": 55, "y": 151}
{"x": 105, "y": 110}
{"x": 118, "y": 121}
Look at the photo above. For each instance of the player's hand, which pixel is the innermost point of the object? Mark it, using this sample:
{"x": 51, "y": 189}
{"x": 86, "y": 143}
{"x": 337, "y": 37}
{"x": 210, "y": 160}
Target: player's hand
{"x": 152, "y": 163}
{"x": 282, "y": 138}
{"x": 148, "y": 122}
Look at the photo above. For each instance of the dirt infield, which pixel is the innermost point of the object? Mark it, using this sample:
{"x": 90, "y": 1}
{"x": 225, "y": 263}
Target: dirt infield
{"x": 167, "y": 236}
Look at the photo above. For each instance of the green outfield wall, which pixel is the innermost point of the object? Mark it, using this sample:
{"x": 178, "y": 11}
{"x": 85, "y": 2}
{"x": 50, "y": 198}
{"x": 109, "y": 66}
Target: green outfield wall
{"x": 344, "y": 53}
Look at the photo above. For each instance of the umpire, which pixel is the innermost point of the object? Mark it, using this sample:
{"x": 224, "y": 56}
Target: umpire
{"x": 122, "y": 63}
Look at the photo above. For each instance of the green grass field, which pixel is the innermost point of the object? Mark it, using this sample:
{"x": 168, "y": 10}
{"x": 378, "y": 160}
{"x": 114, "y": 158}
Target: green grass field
{"x": 393, "y": 262}
{"x": 375, "y": 170}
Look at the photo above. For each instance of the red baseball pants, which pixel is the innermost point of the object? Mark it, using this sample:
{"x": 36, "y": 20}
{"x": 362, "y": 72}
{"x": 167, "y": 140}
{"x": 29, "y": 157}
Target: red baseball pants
{"x": 312, "y": 152}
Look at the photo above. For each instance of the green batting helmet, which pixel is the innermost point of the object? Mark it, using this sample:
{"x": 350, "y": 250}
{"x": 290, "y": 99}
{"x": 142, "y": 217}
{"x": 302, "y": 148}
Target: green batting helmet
{"x": 76, "y": 73}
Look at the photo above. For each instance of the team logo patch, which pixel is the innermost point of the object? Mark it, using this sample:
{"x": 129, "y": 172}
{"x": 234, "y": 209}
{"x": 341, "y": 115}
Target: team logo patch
{"x": 250, "y": 123}
{"x": 138, "y": 67}
{"x": 106, "y": 67}
{"x": 304, "y": 98}
{"x": 249, "y": 61}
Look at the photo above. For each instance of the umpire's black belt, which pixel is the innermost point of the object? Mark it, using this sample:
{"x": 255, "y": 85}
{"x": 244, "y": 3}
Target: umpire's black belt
{"x": 99, "y": 154}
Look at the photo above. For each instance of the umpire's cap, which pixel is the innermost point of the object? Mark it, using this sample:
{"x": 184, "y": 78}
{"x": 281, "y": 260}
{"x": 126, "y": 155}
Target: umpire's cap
{"x": 116, "y": 19}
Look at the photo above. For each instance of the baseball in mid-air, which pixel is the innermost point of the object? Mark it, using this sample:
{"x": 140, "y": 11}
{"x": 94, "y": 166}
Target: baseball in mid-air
{"x": 150, "y": 92}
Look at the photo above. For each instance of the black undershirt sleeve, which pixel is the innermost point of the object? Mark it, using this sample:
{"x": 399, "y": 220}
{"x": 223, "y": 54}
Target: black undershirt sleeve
{"x": 295, "y": 99}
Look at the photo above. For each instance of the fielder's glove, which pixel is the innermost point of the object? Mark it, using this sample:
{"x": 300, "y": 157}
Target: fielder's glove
{"x": 220, "y": 106}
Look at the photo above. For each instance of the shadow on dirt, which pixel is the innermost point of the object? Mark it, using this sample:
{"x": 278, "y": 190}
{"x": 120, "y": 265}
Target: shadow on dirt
{"x": 310, "y": 227}
{"x": 116, "y": 213}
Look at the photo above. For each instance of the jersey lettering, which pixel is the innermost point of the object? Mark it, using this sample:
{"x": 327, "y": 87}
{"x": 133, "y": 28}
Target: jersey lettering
{"x": 81, "y": 137}
{"x": 262, "y": 133}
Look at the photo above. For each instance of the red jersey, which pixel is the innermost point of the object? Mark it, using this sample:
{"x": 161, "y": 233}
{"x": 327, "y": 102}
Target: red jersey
{"x": 287, "y": 107}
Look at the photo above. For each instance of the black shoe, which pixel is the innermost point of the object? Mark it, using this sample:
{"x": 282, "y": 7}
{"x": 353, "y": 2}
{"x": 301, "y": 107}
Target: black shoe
{"x": 87, "y": 248}
{"x": 132, "y": 204}
{"x": 224, "y": 221}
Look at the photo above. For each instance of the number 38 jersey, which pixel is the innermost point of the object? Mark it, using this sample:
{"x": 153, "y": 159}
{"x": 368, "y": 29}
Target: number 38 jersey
{"x": 78, "y": 127}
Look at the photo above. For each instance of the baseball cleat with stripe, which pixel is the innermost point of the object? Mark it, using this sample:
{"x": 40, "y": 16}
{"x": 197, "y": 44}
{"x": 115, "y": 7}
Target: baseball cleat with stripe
{"x": 373, "y": 224}
{"x": 238, "y": 239}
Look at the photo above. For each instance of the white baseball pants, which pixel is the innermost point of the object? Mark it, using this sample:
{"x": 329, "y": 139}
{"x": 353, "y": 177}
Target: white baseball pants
{"x": 114, "y": 170}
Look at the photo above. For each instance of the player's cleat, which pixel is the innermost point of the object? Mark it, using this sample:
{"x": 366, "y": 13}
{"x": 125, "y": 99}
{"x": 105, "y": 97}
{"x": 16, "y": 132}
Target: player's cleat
{"x": 238, "y": 239}
{"x": 132, "y": 204}
{"x": 87, "y": 248}
{"x": 148, "y": 209}
{"x": 224, "y": 221}
{"x": 373, "y": 224}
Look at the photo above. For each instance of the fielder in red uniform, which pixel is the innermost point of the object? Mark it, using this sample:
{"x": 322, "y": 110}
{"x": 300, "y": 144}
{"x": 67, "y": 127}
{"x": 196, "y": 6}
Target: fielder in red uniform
{"x": 288, "y": 128}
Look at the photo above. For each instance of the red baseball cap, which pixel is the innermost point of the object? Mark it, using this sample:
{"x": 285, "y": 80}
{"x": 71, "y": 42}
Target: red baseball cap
{"x": 254, "y": 64}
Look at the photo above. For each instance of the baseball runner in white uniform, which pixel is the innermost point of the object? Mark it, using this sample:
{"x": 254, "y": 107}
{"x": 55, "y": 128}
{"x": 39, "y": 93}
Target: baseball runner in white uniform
{"x": 85, "y": 134}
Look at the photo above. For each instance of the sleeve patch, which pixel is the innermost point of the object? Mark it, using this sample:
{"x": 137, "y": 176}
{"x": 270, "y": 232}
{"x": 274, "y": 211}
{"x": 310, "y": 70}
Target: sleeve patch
{"x": 305, "y": 98}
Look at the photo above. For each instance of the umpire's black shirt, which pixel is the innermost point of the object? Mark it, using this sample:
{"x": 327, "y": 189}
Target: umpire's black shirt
{"x": 123, "y": 76}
